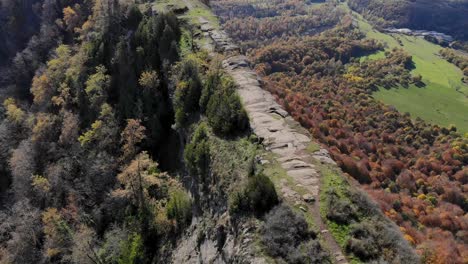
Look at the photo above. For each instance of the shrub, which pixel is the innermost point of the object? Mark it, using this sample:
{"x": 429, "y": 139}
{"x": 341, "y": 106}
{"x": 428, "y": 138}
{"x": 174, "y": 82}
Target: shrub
{"x": 280, "y": 238}
{"x": 311, "y": 252}
{"x": 375, "y": 239}
{"x": 225, "y": 112}
{"x": 213, "y": 82}
{"x": 179, "y": 208}
{"x": 132, "y": 250}
{"x": 188, "y": 90}
{"x": 341, "y": 211}
{"x": 197, "y": 153}
{"x": 363, "y": 241}
{"x": 257, "y": 196}
{"x": 286, "y": 235}
{"x": 367, "y": 207}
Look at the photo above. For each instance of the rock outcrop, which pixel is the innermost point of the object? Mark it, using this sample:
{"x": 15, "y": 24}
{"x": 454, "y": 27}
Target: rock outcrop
{"x": 280, "y": 134}
{"x": 218, "y": 242}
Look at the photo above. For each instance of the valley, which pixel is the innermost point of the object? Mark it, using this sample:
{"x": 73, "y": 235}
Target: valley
{"x": 443, "y": 99}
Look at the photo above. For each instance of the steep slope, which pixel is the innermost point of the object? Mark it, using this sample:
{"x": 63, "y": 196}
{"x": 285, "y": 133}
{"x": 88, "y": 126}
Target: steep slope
{"x": 79, "y": 177}
{"x": 19, "y": 20}
{"x": 238, "y": 245}
{"x": 324, "y": 83}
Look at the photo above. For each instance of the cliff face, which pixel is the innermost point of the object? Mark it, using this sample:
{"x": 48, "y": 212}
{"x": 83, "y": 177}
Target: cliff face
{"x": 217, "y": 240}
{"x": 280, "y": 135}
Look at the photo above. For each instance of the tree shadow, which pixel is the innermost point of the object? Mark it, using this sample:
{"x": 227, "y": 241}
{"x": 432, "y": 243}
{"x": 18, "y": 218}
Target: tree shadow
{"x": 420, "y": 84}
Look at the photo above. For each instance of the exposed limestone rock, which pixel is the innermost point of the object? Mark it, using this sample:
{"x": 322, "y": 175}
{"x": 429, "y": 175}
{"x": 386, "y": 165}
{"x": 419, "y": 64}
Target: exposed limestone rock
{"x": 295, "y": 164}
{"x": 220, "y": 40}
{"x": 288, "y": 193}
{"x": 210, "y": 245}
{"x": 323, "y": 156}
{"x": 272, "y": 124}
{"x": 280, "y": 134}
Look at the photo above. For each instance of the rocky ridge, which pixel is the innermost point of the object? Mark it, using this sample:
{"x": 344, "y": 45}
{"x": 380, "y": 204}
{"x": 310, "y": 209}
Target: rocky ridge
{"x": 281, "y": 135}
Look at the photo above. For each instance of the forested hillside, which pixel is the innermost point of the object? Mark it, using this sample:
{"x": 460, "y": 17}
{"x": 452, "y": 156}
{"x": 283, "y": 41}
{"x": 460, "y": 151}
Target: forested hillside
{"x": 31, "y": 31}
{"x": 448, "y": 16}
{"x": 71, "y": 147}
{"x": 415, "y": 170}
{"x": 137, "y": 132}
{"x": 19, "y": 21}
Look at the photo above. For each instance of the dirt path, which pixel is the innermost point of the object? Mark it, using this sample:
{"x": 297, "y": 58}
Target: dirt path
{"x": 279, "y": 133}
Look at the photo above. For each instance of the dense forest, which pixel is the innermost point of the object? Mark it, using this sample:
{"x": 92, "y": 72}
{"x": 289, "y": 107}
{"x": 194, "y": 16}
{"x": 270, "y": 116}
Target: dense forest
{"x": 416, "y": 171}
{"x": 19, "y": 21}
{"x": 71, "y": 147}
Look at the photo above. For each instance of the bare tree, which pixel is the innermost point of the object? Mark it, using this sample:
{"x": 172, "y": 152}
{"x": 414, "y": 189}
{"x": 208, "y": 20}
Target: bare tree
{"x": 23, "y": 226}
{"x": 22, "y": 166}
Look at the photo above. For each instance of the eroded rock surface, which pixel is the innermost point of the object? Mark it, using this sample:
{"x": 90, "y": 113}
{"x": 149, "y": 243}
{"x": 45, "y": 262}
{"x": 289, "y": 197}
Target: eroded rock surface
{"x": 272, "y": 124}
{"x": 217, "y": 244}
{"x": 281, "y": 135}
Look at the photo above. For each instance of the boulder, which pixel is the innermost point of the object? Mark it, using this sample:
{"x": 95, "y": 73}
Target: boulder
{"x": 308, "y": 198}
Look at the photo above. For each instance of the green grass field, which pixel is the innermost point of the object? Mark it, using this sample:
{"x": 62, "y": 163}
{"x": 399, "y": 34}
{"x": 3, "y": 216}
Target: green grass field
{"x": 444, "y": 99}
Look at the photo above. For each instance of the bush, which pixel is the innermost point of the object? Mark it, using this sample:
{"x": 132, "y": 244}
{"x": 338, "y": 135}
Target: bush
{"x": 132, "y": 250}
{"x": 286, "y": 235}
{"x": 280, "y": 238}
{"x": 366, "y": 206}
{"x": 212, "y": 83}
{"x": 341, "y": 211}
{"x": 225, "y": 112}
{"x": 374, "y": 239}
{"x": 197, "y": 153}
{"x": 258, "y": 196}
{"x": 363, "y": 241}
{"x": 179, "y": 208}
{"x": 188, "y": 90}
{"x": 311, "y": 252}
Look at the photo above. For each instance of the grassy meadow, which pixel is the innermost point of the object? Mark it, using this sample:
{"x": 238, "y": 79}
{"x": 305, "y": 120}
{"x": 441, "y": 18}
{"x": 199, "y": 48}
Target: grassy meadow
{"x": 444, "y": 99}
